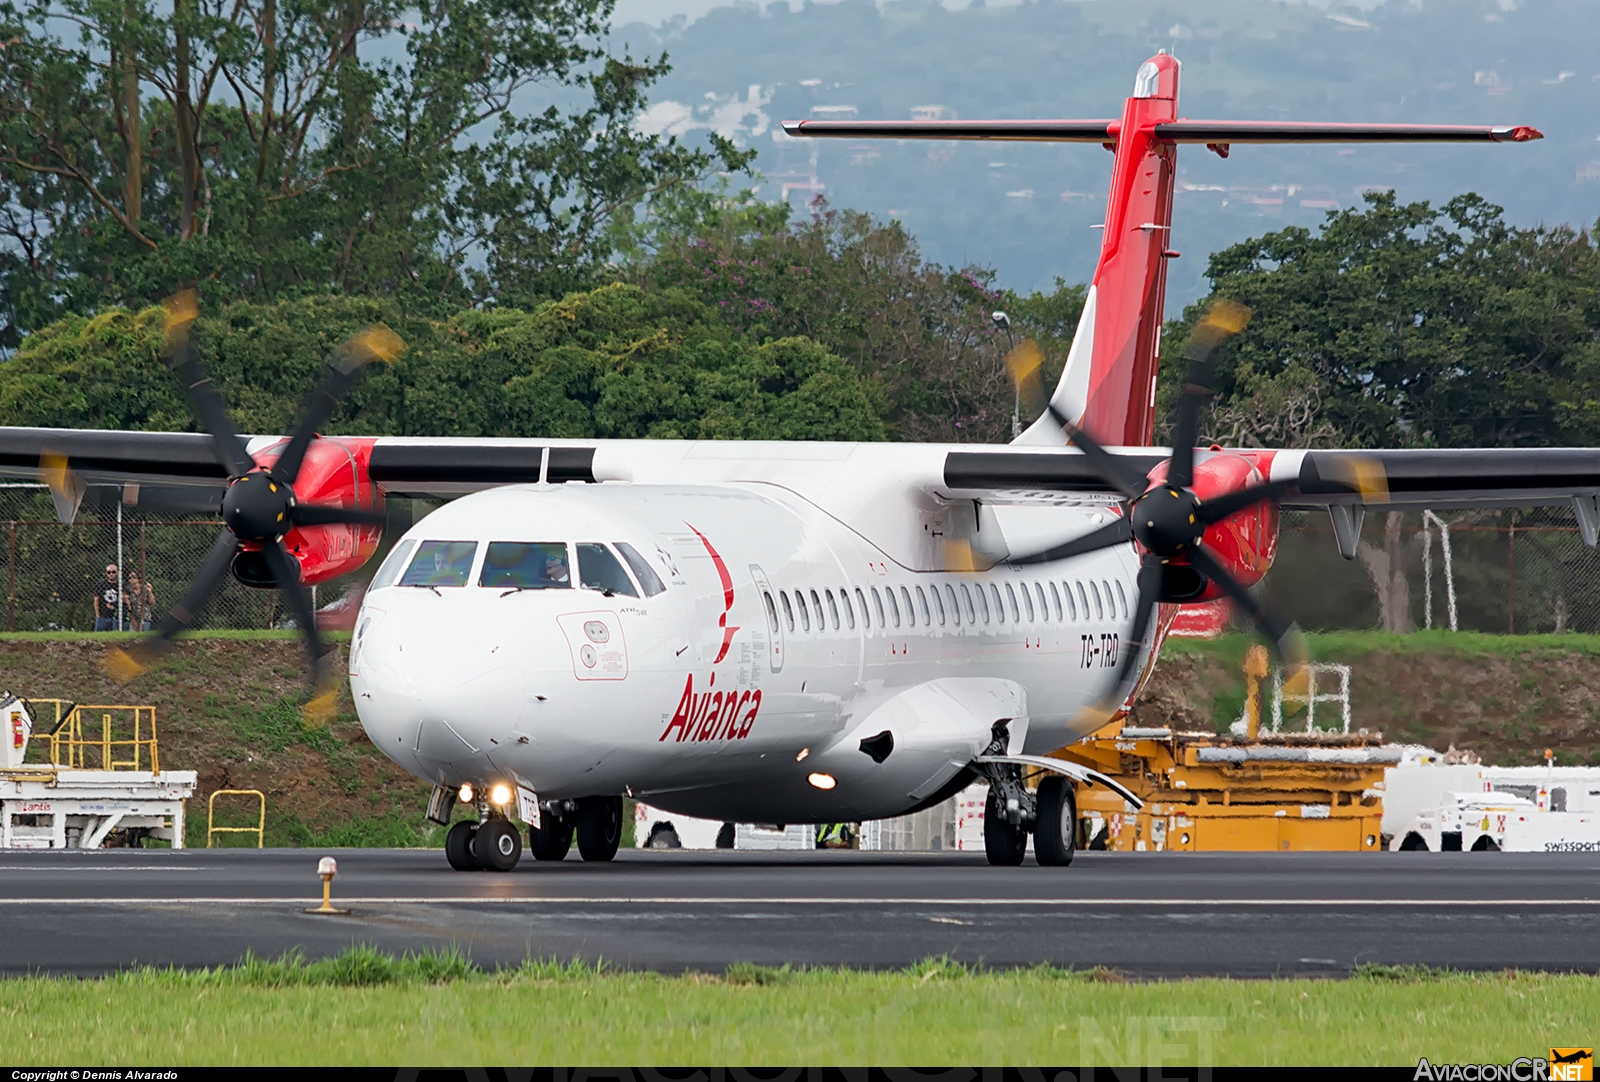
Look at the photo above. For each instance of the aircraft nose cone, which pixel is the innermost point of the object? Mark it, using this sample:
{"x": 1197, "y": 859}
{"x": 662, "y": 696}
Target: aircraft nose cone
{"x": 436, "y": 672}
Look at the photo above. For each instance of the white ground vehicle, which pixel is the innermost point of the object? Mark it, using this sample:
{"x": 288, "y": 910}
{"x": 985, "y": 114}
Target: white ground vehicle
{"x": 1526, "y": 809}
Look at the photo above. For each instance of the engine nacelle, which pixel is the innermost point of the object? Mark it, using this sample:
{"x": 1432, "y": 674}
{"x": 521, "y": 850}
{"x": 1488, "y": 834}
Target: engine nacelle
{"x": 334, "y": 473}
{"x": 1245, "y": 543}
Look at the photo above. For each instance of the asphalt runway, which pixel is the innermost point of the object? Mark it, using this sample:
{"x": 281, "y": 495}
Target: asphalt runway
{"x": 1145, "y": 914}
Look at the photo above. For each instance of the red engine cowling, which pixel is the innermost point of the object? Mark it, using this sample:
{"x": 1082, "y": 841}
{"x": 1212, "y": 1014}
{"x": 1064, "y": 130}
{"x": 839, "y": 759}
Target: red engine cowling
{"x": 334, "y": 473}
{"x": 1245, "y": 543}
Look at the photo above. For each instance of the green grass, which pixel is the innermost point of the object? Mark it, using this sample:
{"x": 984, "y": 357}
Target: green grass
{"x": 366, "y": 1007}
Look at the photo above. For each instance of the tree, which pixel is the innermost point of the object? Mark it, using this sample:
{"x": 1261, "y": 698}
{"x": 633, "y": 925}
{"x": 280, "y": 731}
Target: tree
{"x": 271, "y": 149}
{"x": 612, "y": 362}
{"x": 920, "y": 331}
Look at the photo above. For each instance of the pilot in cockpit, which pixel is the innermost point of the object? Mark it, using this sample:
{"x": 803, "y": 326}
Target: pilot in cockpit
{"x": 555, "y": 568}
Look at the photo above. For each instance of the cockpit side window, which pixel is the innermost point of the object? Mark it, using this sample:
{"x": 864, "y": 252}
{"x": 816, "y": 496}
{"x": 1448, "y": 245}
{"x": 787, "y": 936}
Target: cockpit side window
{"x": 441, "y": 563}
{"x": 648, "y": 579}
{"x": 392, "y": 566}
{"x": 598, "y": 569}
{"x": 526, "y": 565}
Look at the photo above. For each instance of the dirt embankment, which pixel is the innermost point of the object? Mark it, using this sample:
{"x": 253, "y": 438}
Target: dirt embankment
{"x": 1504, "y": 698}
{"x": 227, "y": 708}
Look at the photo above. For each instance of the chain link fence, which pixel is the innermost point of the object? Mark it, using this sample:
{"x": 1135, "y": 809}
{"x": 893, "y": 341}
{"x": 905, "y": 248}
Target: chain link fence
{"x": 57, "y": 577}
{"x": 1520, "y": 572}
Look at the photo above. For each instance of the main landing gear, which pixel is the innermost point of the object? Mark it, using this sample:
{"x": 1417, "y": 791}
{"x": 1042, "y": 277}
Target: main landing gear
{"x": 1011, "y": 813}
{"x": 493, "y": 843}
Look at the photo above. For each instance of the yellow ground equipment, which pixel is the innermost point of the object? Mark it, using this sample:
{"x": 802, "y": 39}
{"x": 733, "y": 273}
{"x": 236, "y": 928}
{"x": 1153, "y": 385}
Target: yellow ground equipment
{"x": 1256, "y": 791}
{"x": 259, "y": 830}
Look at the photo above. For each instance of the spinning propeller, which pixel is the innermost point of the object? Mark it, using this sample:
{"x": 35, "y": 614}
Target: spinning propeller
{"x": 260, "y": 506}
{"x": 1165, "y": 517}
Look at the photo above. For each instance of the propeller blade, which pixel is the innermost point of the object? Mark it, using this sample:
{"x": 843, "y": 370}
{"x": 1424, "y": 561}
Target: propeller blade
{"x": 376, "y": 343}
{"x": 1281, "y": 634}
{"x": 305, "y": 514}
{"x": 124, "y": 665}
{"x": 1127, "y": 480}
{"x": 183, "y": 356}
{"x": 1118, "y": 531}
{"x": 319, "y": 709}
{"x": 1025, "y": 364}
{"x": 1362, "y": 473}
{"x": 1229, "y": 503}
{"x": 1221, "y": 320}
{"x": 1150, "y": 575}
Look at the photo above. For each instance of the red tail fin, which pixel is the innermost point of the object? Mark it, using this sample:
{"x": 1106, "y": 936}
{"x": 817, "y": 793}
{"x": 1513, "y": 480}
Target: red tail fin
{"x": 1108, "y": 386}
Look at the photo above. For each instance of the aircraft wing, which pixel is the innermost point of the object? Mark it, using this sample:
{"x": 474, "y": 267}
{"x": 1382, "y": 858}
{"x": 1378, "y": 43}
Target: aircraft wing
{"x": 1208, "y": 132}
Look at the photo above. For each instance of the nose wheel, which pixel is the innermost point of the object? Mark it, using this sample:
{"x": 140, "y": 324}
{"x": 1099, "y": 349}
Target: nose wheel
{"x": 493, "y": 845}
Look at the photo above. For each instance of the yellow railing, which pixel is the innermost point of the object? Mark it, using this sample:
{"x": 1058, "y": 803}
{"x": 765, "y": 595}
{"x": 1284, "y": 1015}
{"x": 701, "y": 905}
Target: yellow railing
{"x": 260, "y": 829}
{"x": 84, "y": 736}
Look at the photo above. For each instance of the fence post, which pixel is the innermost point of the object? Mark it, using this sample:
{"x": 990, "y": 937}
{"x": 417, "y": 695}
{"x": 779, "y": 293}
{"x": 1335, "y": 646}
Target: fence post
{"x": 1511, "y": 576}
{"x": 12, "y": 561}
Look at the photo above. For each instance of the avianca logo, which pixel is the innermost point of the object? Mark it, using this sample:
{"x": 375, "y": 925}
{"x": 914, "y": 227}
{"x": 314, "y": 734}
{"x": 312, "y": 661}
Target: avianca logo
{"x": 727, "y": 596}
{"x": 713, "y": 715}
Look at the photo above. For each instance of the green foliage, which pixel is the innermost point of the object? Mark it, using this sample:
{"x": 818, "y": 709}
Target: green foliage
{"x": 612, "y": 362}
{"x": 364, "y": 149}
{"x": 1407, "y": 325}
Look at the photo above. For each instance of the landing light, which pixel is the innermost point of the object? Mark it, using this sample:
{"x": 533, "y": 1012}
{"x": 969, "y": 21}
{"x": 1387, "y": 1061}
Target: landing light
{"x": 500, "y": 795}
{"x": 822, "y": 781}
{"x": 465, "y": 795}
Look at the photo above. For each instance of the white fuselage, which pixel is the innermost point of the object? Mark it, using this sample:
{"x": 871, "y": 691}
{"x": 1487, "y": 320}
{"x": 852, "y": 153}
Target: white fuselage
{"x": 788, "y": 631}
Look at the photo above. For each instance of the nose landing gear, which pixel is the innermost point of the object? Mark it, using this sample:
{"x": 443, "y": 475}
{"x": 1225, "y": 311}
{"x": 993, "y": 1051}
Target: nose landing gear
{"x": 494, "y": 843}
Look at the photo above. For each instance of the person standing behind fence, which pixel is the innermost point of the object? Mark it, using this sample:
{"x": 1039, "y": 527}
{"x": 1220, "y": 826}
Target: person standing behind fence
{"x": 141, "y": 604}
{"x": 105, "y": 601}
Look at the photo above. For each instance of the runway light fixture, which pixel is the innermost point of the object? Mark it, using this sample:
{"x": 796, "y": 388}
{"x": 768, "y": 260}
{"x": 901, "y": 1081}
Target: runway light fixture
{"x": 500, "y": 795}
{"x": 465, "y": 795}
{"x": 822, "y": 781}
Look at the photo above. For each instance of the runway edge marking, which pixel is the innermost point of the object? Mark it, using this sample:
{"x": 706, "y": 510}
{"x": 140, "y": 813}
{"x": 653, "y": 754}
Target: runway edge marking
{"x": 1051, "y": 903}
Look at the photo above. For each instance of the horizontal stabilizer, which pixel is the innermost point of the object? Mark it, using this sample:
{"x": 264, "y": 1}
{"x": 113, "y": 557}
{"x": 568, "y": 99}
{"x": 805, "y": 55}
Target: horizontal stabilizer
{"x": 1176, "y": 131}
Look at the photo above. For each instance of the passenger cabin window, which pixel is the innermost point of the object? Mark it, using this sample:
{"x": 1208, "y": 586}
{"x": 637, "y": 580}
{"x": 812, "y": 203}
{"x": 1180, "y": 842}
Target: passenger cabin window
{"x": 983, "y": 600}
{"x": 894, "y": 606}
{"x": 972, "y": 615}
{"x": 525, "y": 565}
{"x": 648, "y": 579}
{"x": 1099, "y": 609}
{"x": 1111, "y": 606}
{"x": 922, "y": 603}
{"x": 877, "y": 603}
{"x": 938, "y": 602}
{"x": 866, "y": 613}
{"x": 788, "y": 613}
{"x": 1044, "y": 606}
{"x": 816, "y": 605}
{"x": 1027, "y": 600}
{"x": 772, "y": 612}
{"x": 955, "y": 606}
{"x": 833, "y": 608}
{"x": 805, "y": 614}
{"x": 911, "y": 612}
{"x": 1055, "y": 597}
{"x": 445, "y": 563}
{"x": 599, "y": 569}
{"x": 390, "y": 570}
{"x": 849, "y": 613}
{"x": 1083, "y": 601}
{"x": 999, "y": 604}
{"x": 1122, "y": 598}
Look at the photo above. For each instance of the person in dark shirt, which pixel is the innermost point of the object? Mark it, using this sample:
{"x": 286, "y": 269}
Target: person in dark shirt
{"x": 105, "y": 601}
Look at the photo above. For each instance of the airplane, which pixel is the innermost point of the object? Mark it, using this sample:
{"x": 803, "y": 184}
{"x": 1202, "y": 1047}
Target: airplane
{"x": 789, "y": 631}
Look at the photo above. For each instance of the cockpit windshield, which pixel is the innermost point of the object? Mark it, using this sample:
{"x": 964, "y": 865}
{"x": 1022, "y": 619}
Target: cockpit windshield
{"x": 441, "y": 563}
{"x": 598, "y": 569}
{"x": 526, "y": 565}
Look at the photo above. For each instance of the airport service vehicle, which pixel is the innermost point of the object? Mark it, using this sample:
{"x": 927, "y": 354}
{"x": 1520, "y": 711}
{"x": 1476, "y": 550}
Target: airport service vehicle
{"x": 1515, "y": 809}
{"x": 790, "y": 632}
{"x": 58, "y": 804}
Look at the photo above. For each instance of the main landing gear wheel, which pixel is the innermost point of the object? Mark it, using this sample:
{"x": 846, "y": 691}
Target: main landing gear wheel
{"x": 1055, "y": 832}
{"x": 498, "y": 845}
{"x": 1004, "y": 844}
{"x": 599, "y": 827}
{"x": 458, "y": 848}
{"x": 550, "y": 841}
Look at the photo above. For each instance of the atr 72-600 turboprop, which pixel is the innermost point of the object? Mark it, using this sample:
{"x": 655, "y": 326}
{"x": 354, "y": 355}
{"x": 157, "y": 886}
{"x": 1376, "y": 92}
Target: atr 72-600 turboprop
{"x": 790, "y": 632}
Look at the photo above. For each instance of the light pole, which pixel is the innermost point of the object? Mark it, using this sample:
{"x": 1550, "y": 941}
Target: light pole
{"x": 1003, "y": 321}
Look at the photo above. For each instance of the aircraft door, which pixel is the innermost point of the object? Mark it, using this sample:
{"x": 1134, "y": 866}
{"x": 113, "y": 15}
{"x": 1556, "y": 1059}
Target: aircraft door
{"x": 769, "y": 606}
